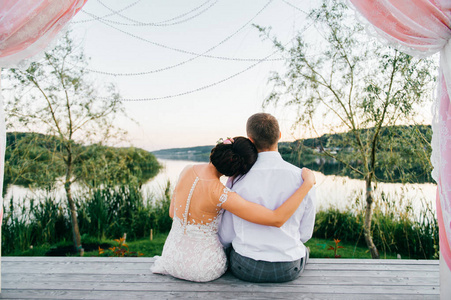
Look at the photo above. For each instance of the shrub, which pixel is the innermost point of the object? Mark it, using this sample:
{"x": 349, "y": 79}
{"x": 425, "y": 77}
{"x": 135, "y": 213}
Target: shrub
{"x": 396, "y": 228}
{"x": 103, "y": 213}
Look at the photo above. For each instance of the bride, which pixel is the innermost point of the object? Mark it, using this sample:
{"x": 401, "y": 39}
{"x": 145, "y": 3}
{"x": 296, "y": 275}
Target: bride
{"x": 192, "y": 250}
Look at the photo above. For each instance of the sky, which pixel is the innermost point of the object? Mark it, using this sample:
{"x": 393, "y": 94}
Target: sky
{"x": 192, "y": 72}
{"x": 226, "y": 91}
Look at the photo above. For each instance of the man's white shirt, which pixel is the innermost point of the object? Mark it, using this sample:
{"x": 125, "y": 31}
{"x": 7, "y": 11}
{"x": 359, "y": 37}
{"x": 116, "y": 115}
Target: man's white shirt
{"x": 270, "y": 182}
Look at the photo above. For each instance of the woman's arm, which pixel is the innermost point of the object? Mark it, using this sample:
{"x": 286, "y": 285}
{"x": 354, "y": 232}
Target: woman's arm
{"x": 259, "y": 214}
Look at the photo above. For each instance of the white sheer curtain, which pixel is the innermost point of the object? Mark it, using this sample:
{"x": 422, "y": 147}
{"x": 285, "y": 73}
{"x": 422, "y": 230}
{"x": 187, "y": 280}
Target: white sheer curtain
{"x": 28, "y": 26}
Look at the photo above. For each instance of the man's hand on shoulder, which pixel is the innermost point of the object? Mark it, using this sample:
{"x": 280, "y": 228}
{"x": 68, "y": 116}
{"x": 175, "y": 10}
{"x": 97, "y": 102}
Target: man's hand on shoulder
{"x": 308, "y": 176}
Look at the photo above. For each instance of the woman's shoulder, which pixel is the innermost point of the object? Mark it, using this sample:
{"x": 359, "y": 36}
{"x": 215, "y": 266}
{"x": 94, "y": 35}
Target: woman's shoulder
{"x": 187, "y": 170}
{"x": 219, "y": 189}
{"x": 219, "y": 193}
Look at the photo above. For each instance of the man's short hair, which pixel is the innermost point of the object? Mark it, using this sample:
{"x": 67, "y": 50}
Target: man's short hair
{"x": 264, "y": 130}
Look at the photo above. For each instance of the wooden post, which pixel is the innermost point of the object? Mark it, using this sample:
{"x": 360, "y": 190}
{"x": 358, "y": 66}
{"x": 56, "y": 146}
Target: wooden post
{"x": 151, "y": 234}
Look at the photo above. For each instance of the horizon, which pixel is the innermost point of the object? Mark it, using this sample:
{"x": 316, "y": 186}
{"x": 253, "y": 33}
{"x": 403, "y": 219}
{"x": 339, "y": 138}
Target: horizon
{"x": 214, "y": 143}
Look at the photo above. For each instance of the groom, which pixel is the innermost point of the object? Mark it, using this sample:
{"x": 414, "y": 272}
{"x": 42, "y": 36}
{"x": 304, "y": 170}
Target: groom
{"x": 265, "y": 253}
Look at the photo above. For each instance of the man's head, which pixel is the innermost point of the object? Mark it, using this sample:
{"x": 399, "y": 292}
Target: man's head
{"x": 263, "y": 130}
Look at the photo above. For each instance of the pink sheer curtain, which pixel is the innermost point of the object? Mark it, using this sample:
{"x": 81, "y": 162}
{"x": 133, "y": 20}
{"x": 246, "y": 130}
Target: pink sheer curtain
{"x": 423, "y": 27}
{"x": 26, "y": 29}
{"x": 28, "y": 26}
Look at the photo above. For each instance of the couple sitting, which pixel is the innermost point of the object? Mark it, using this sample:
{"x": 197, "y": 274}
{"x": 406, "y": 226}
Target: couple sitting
{"x": 269, "y": 212}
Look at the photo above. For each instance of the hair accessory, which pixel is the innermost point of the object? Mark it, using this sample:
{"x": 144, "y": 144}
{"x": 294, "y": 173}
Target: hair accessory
{"x": 227, "y": 141}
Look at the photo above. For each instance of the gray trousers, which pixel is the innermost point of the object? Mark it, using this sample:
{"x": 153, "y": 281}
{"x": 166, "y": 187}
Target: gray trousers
{"x": 248, "y": 269}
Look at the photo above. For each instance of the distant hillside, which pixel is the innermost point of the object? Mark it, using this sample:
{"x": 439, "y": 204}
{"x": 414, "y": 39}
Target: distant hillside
{"x": 199, "y": 153}
{"x": 309, "y": 153}
{"x": 336, "y": 141}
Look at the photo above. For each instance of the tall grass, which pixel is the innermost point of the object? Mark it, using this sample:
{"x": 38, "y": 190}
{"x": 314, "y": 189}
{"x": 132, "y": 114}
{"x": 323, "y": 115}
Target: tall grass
{"x": 104, "y": 213}
{"x": 112, "y": 211}
{"x": 31, "y": 222}
{"x": 396, "y": 227}
{"x": 109, "y": 212}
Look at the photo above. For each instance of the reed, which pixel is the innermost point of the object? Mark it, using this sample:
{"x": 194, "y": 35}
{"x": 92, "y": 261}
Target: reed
{"x": 110, "y": 212}
{"x": 114, "y": 211}
{"x": 397, "y": 227}
{"x": 30, "y": 222}
{"x": 103, "y": 213}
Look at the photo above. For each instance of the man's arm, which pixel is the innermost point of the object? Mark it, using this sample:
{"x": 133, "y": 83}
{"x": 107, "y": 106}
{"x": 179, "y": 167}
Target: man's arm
{"x": 226, "y": 232}
{"x": 308, "y": 218}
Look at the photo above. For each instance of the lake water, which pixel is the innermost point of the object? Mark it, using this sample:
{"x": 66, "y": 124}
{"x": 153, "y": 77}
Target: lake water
{"x": 335, "y": 191}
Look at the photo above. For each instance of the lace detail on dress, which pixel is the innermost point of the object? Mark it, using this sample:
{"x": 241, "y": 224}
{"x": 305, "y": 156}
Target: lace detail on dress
{"x": 185, "y": 215}
{"x": 193, "y": 251}
{"x": 223, "y": 197}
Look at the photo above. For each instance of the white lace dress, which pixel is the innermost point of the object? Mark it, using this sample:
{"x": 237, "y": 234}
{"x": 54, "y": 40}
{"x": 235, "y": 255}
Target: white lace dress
{"x": 192, "y": 250}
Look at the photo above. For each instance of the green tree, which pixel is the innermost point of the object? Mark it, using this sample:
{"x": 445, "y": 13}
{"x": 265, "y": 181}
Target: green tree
{"x": 33, "y": 160}
{"x": 30, "y": 160}
{"x": 110, "y": 166}
{"x": 56, "y": 98}
{"x": 348, "y": 83}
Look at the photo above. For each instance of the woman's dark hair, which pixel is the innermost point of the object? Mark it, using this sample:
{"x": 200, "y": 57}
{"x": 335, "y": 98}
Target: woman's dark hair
{"x": 234, "y": 157}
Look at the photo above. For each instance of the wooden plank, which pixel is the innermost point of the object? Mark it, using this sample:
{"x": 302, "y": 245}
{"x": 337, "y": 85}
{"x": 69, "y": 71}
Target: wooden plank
{"x": 116, "y": 278}
{"x": 359, "y": 267}
{"x": 337, "y": 274}
{"x": 151, "y": 259}
{"x": 144, "y": 265}
{"x": 375, "y": 261}
{"x": 229, "y": 283}
{"x": 317, "y": 263}
{"x": 238, "y": 288}
{"x": 226, "y": 279}
{"x": 6, "y": 294}
{"x": 123, "y": 270}
{"x": 318, "y": 274}
{"x": 241, "y": 287}
{"x": 65, "y": 259}
{"x": 377, "y": 274}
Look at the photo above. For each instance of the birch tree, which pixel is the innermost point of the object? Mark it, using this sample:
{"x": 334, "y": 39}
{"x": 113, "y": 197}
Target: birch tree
{"x": 57, "y": 98}
{"x": 349, "y": 83}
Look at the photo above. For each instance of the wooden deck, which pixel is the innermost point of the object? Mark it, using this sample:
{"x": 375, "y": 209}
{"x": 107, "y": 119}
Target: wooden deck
{"x": 130, "y": 278}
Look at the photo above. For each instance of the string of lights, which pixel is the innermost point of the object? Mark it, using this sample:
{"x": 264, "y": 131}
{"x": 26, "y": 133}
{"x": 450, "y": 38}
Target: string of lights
{"x": 160, "y": 24}
{"x": 181, "y": 50}
{"x": 195, "y": 90}
{"x": 192, "y": 58}
{"x": 108, "y": 15}
{"x": 208, "y": 85}
{"x": 295, "y": 7}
